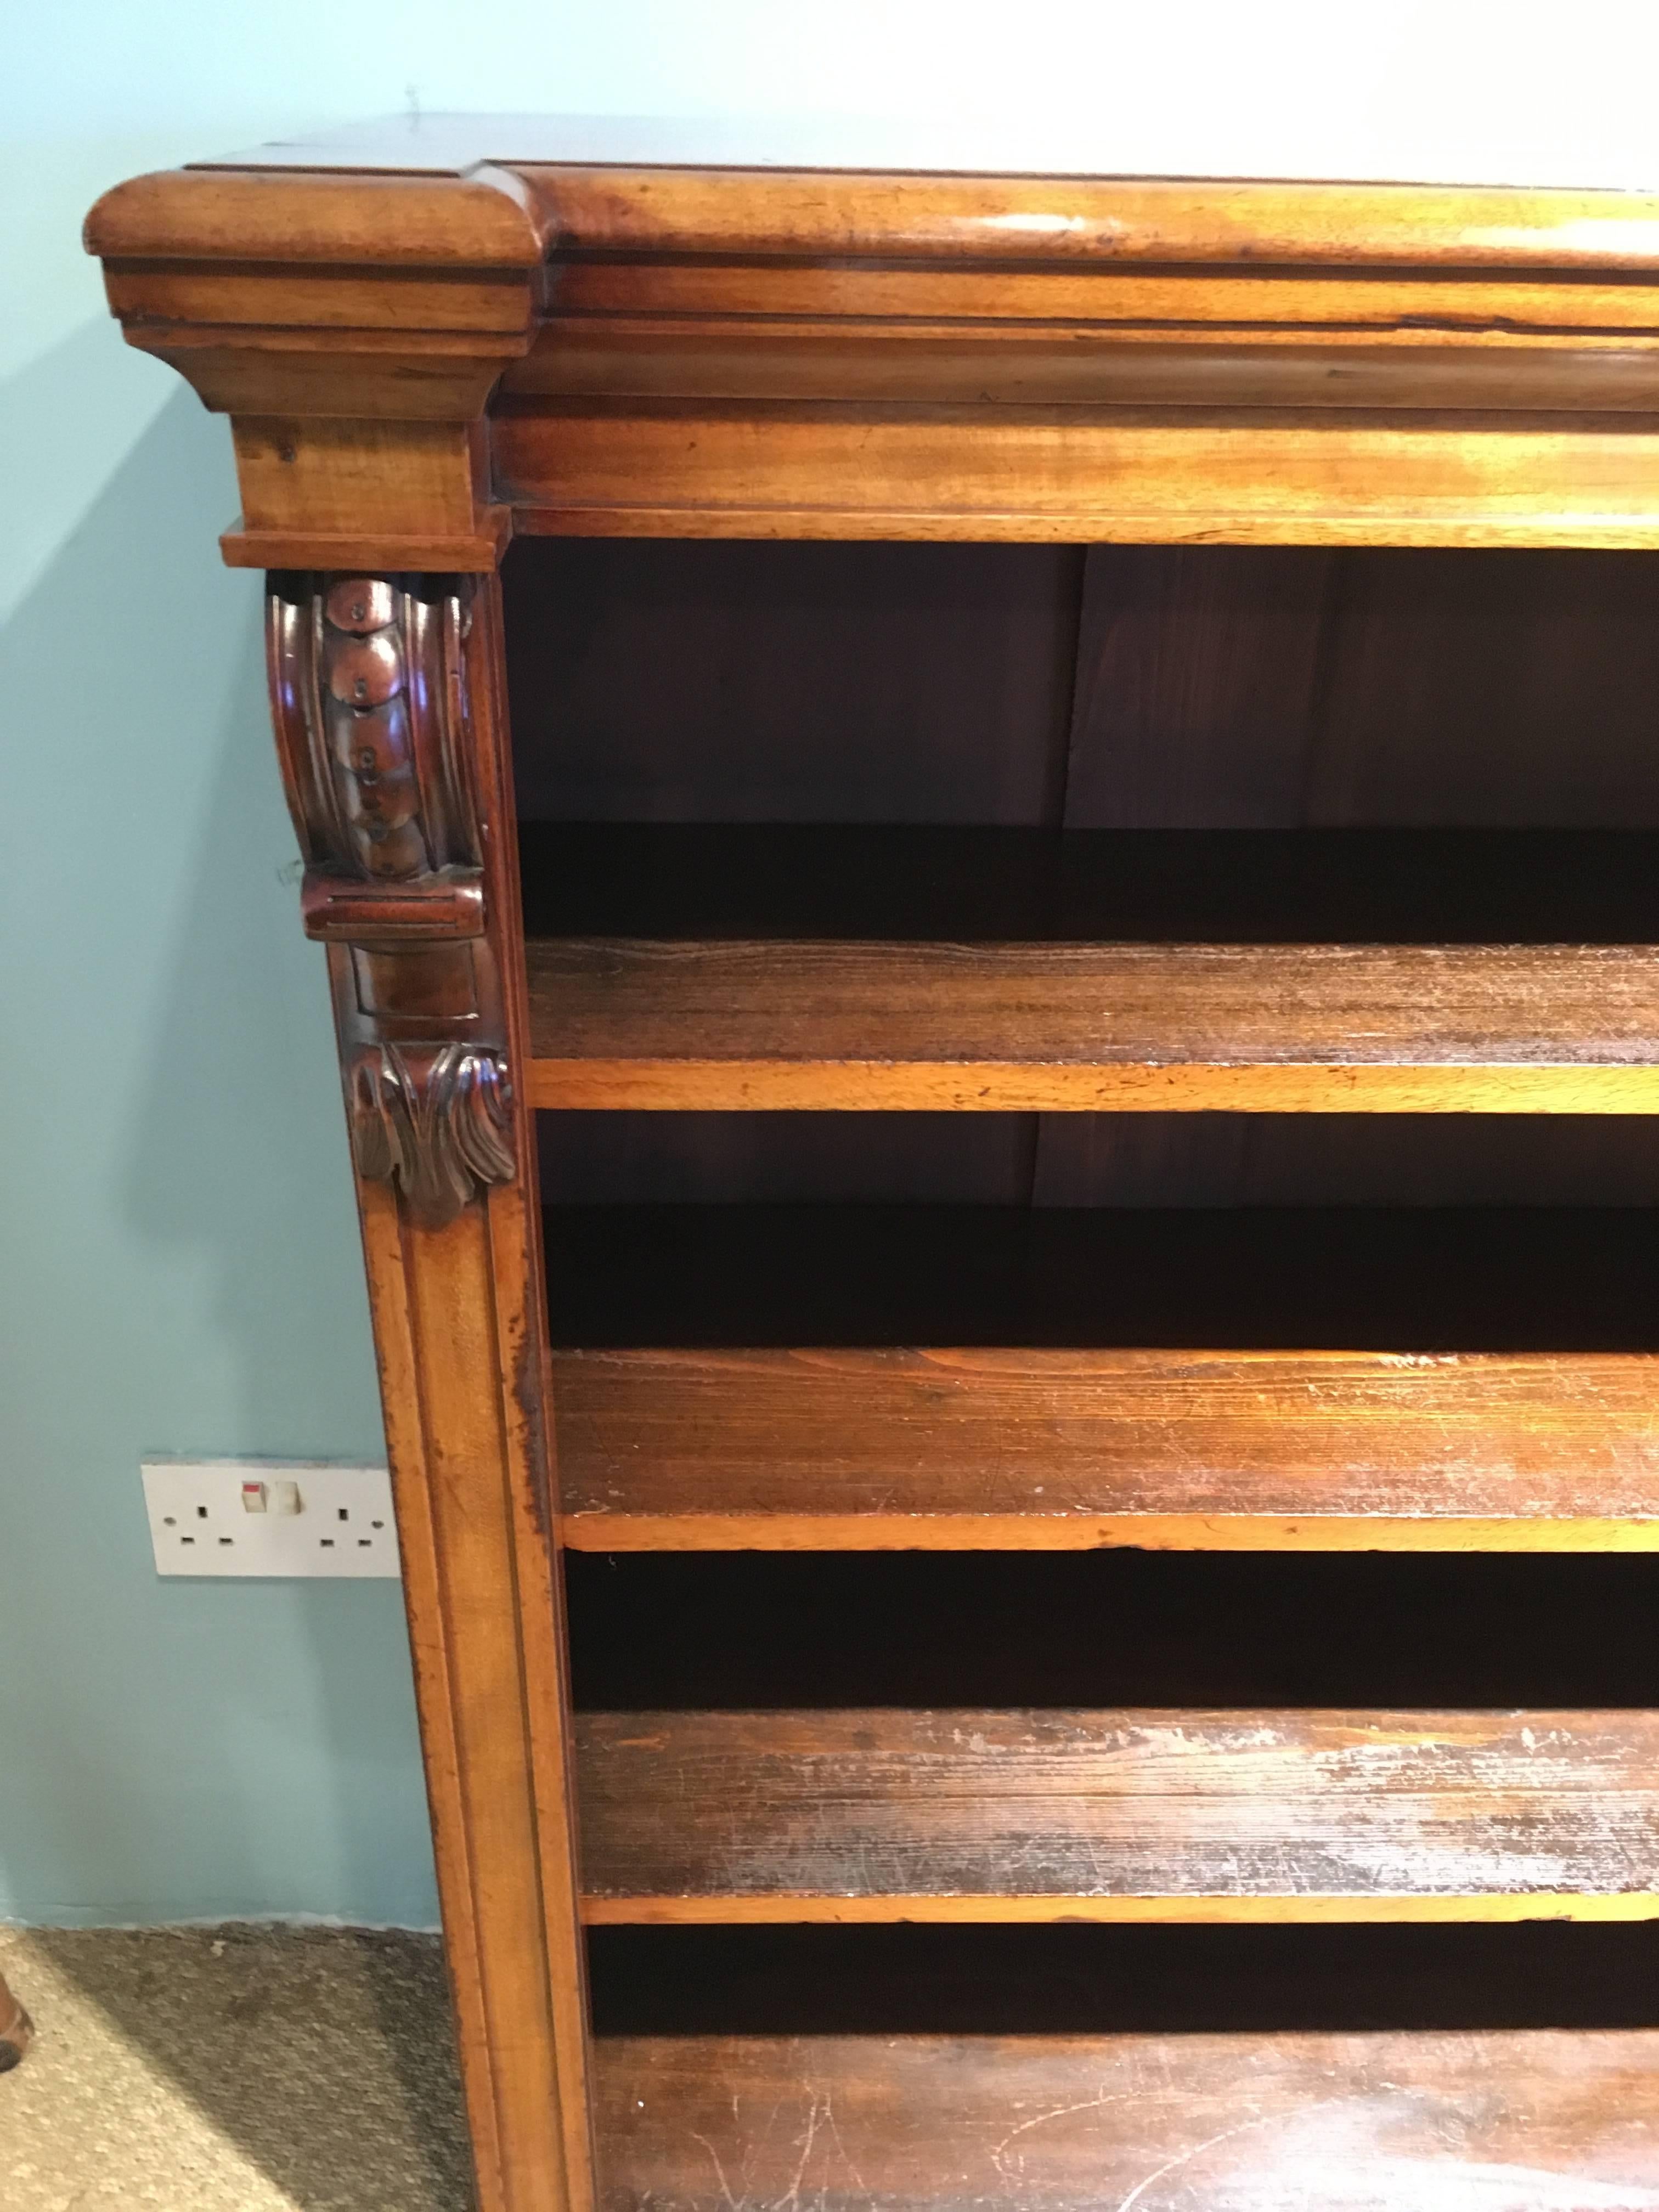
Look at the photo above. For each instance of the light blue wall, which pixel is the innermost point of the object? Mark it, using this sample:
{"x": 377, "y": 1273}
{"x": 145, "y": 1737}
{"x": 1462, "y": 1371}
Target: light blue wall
{"x": 179, "y": 1270}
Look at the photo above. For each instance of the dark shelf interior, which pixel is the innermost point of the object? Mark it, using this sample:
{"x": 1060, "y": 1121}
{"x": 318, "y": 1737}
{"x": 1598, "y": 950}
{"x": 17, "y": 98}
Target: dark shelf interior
{"x": 1081, "y": 1980}
{"x": 1422, "y": 1280}
{"x": 1139, "y": 744}
{"x": 1394, "y": 886}
{"x": 742, "y": 1631}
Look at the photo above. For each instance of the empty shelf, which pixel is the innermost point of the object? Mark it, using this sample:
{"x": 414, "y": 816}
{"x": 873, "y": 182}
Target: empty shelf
{"x": 1517, "y": 2120}
{"x": 1160, "y": 1814}
{"x": 859, "y": 1449}
{"x": 1297, "y": 1028}
{"x": 1116, "y": 971}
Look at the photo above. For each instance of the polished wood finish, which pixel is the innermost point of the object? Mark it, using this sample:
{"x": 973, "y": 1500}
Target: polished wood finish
{"x": 724, "y": 1086}
{"x": 1210, "y": 2123}
{"x": 1000, "y": 1450}
{"x": 892, "y": 1814}
{"x": 437, "y": 337}
{"x": 783, "y": 1908}
{"x": 353, "y": 326}
{"x": 1081, "y": 360}
{"x": 1067, "y": 2065}
{"x": 373, "y": 688}
{"x": 998, "y": 1028}
{"x": 1102, "y": 968}
{"x": 812, "y": 215}
{"x": 1016, "y": 474}
{"x": 387, "y": 701}
{"x": 720, "y": 322}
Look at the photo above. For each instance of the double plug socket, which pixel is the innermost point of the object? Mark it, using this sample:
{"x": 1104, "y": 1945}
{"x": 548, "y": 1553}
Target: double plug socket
{"x": 265, "y": 1517}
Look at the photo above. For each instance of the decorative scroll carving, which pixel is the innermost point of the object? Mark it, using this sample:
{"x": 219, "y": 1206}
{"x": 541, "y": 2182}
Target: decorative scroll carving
{"x": 369, "y": 698}
{"x": 368, "y": 685}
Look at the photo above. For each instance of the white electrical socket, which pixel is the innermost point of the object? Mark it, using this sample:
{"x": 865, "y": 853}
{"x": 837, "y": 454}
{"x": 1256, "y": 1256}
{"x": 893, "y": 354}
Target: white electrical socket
{"x": 308, "y": 1518}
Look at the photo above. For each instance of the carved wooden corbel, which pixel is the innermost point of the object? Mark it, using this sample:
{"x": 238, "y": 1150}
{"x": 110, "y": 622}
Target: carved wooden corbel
{"x": 369, "y": 700}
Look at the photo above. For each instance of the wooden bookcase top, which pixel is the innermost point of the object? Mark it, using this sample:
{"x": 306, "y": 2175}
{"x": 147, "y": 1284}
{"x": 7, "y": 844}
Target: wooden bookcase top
{"x": 629, "y": 184}
{"x": 431, "y": 339}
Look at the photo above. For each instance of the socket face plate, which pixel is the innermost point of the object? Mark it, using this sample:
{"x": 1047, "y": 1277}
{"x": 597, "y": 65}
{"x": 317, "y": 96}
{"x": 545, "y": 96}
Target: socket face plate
{"x": 198, "y": 1524}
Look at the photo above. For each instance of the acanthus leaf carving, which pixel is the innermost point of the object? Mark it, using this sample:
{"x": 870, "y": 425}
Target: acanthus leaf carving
{"x": 371, "y": 705}
{"x": 436, "y": 1123}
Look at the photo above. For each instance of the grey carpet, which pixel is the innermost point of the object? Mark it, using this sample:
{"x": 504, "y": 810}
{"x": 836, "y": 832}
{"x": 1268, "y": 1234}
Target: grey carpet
{"x": 231, "y": 2069}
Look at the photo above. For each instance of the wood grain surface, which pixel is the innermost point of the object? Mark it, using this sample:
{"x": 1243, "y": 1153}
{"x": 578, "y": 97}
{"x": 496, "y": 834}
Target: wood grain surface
{"x": 325, "y": 293}
{"x": 1517, "y": 2121}
{"x": 1174, "y": 304}
{"x": 771, "y": 684}
{"x": 830, "y": 211}
{"x": 621, "y": 1023}
{"x": 1416, "y": 1814}
{"x": 725, "y": 1086}
{"x": 633, "y": 184}
{"x": 1306, "y": 688}
{"x": 459, "y": 1323}
{"x": 773, "y": 469}
{"x": 622, "y": 355}
{"x": 1226, "y": 700}
{"x": 864, "y": 1449}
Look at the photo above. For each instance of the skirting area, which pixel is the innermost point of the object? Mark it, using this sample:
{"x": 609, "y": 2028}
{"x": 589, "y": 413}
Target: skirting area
{"x": 231, "y": 2070}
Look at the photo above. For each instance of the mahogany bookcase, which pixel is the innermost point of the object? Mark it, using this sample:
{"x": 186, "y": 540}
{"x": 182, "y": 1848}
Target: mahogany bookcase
{"x": 972, "y": 1792}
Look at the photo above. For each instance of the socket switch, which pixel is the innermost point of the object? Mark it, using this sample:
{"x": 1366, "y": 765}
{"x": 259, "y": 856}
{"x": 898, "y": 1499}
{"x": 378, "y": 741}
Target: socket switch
{"x": 269, "y": 1517}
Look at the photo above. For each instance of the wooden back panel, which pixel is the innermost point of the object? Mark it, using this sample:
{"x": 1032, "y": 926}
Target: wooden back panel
{"x": 1201, "y": 687}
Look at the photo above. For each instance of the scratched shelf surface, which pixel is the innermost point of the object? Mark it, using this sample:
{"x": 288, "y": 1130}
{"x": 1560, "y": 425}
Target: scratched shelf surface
{"x": 1301, "y": 2068}
{"x": 1118, "y": 1734}
{"x": 1156, "y": 1814}
{"x": 1538, "y": 2121}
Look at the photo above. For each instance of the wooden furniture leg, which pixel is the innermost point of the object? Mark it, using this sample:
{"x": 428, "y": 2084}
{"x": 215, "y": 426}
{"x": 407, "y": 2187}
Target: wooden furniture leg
{"x": 388, "y": 703}
{"x": 16, "y": 2030}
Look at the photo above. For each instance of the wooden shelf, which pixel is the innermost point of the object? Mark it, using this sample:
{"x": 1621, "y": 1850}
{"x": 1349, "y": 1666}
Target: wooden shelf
{"x": 1548, "y": 2120}
{"x": 1072, "y": 1018}
{"x": 750, "y": 1377}
{"x": 1061, "y": 2067}
{"x": 868, "y": 1449}
{"x": 1153, "y": 1813}
{"x": 618, "y": 1023}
